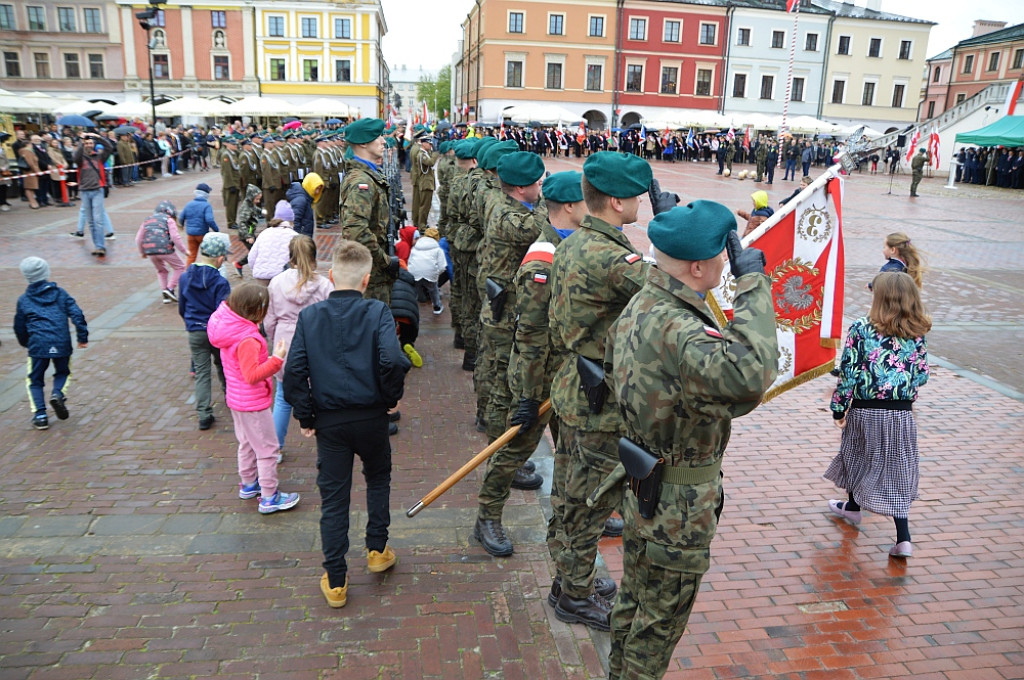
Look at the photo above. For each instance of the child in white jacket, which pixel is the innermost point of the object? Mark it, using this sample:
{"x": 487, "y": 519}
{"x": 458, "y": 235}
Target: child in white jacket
{"x": 426, "y": 262}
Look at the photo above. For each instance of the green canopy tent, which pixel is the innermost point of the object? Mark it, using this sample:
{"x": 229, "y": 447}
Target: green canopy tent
{"x": 1007, "y": 131}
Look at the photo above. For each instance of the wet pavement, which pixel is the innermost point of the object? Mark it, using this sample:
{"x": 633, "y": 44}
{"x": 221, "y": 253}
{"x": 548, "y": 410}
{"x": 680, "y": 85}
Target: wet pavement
{"x": 125, "y": 552}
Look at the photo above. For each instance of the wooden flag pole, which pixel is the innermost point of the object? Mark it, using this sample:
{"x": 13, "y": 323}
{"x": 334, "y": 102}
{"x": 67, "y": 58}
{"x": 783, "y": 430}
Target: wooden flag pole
{"x": 454, "y": 478}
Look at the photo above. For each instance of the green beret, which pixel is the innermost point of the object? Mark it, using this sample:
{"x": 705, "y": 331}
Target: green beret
{"x": 483, "y": 145}
{"x": 489, "y": 159}
{"x": 693, "y": 232}
{"x": 564, "y": 187}
{"x": 443, "y": 148}
{"x": 519, "y": 168}
{"x": 364, "y": 130}
{"x": 389, "y": 142}
{"x": 621, "y": 175}
{"x": 466, "y": 148}
{"x": 389, "y": 129}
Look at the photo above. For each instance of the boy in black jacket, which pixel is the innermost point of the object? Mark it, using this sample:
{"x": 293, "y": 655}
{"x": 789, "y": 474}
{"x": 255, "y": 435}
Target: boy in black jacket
{"x": 345, "y": 370}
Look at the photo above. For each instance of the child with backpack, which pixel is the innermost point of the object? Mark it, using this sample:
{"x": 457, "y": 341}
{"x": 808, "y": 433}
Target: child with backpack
{"x": 157, "y": 241}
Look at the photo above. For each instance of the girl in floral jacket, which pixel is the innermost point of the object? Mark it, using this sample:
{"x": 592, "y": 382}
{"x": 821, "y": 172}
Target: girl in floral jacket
{"x": 884, "y": 362}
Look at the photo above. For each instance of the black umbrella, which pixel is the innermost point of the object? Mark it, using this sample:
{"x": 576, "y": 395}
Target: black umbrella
{"x": 444, "y": 125}
{"x": 635, "y": 126}
{"x": 125, "y": 130}
{"x": 107, "y": 116}
{"x": 92, "y": 113}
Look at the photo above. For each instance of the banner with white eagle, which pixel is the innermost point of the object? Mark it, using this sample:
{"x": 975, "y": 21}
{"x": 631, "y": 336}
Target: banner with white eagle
{"x": 803, "y": 247}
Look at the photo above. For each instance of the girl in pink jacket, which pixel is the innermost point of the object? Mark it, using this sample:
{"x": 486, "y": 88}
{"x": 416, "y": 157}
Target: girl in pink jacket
{"x": 157, "y": 239}
{"x": 291, "y": 291}
{"x": 234, "y": 329}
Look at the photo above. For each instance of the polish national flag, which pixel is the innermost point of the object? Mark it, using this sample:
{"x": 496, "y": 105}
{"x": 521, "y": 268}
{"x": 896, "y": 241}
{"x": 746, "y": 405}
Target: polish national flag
{"x": 425, "y": 116}
{"x": 933, "y": 149}
{"x": 1010, "y": 105}
{"x": 913, "y": 144}
{"x": 792, "y": 5}
{"x": 746, "y": 139}
{"x": 803, "y": 246}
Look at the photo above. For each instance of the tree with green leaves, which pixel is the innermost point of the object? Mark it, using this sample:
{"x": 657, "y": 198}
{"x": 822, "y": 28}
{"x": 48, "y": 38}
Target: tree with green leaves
{"x": 436, "y": 91}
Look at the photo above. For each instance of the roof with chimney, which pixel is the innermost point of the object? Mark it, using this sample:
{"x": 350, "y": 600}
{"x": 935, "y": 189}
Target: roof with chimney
{"x": 1008, "y": 34}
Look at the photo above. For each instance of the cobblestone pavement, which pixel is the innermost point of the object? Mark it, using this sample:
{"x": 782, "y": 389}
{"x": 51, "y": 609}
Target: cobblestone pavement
{"x": 127, "y": 554}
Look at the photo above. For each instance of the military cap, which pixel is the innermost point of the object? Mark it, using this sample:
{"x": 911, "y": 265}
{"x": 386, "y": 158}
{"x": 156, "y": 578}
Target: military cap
{"x": 564, "y": 187}
{"x": 466, "y": 148}
{"x": 621, "y": 175}
{"x": 488, "y": 160}
{"x": 519, "y": 168}
{"x": 268, "y": 138}
{"x": 246, "y": 141}
{"x": 364, "y": 130}
{"x": 483, "y": 145}
{"x": 444, "y": 146}
{"x": 229, "y": 139}
{"x": 694, "y": 232}
{"x": 390, "y": 142}
{"x": 389, "y": 129}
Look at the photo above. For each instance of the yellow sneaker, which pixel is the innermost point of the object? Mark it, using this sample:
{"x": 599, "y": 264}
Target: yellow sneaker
{"x": 413, "y": 355}
{"x": 336, "y": 597}
{"x": 381, "y": 561}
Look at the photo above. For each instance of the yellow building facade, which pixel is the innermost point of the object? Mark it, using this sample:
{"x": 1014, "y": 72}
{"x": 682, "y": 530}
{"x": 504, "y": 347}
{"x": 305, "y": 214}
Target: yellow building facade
{"x": 307, "y": 50}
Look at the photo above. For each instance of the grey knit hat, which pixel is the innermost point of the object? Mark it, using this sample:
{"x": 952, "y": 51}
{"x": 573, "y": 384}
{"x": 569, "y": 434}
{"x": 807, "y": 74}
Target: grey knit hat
{"x": 35, "y": 269}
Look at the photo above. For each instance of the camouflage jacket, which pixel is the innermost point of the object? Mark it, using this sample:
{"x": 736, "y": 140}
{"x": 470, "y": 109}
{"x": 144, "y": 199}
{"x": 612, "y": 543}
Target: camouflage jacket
{"x": 511, "y": 229}
{"x": 363, "y": 206}
{"x": 470, "y": 229}
{"x": 593, "y": 276}
{"x": 679, "y": 380}
{"x": 534, "y": 358}
{"x": 248, "y": 213}
{"x": 446, "y": 169}
{"x": 462, "y": 182}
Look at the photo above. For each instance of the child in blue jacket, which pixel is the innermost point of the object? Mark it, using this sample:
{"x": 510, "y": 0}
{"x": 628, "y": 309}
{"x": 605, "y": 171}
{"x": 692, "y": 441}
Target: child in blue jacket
{"x": 41, "y": 325}
{"x": 197, "y": 218}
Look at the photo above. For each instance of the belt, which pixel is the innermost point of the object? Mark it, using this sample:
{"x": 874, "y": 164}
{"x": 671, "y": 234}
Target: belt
{"x": 691, "y": 475}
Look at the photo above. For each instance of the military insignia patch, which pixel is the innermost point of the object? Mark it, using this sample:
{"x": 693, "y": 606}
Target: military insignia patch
{"x": 797, "y": 303}
{"x": 713, "y": 332}
{"x": 633, "y": 257}
{"x": 540, "y": 278}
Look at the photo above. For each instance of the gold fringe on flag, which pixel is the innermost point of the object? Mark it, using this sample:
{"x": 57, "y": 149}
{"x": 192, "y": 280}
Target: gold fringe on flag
{"x": 804, "y": 377}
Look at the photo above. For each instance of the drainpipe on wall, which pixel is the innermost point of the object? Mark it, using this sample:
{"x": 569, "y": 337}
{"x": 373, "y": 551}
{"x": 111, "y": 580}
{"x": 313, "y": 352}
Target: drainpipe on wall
{"x": 479, "y": 21}
{"x": 949, "y": 83}
{"x": 824, "y": 66}
{"x": 725, "y": 67}
{"x": 618, "y": 50}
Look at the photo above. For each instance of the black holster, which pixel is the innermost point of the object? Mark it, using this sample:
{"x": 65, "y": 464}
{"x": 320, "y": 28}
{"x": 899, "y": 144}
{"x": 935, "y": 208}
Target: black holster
{"x": 643, "y": 475}
{"x": 592, "y": 382}
{"x": 496, "y": 295}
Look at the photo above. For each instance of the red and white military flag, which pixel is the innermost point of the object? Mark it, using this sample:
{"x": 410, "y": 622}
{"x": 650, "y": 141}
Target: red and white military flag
{"x": 933, "y": 149}
{"x": 803, "y": 246}
{"x": 913, "y": 144}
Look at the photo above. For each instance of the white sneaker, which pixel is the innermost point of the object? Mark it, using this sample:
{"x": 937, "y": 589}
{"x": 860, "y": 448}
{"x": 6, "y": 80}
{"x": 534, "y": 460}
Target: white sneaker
{"x": 111, "y": 236}
{"x": 5, "y": 208}
{"x": 167, "y": 174}
{"x": 438, "y": 310}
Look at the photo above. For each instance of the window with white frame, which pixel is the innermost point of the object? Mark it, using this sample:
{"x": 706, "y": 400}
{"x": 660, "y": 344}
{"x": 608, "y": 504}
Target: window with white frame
{"x": 72, "y": 66}
{"x": 343, "y": 70}
{"x": 702, "y": 87}
{"x": 309, "y": 27}
{"x": 343, "y": 28}
{"x": 844, "y": 45}
{"x": 553, "y": 75}
{"x": 596, "y": 27}
{"x": 739, "y": 85}
{"x": 556, "y": 24}
{"x": 93, "y": 23}
{"x": 66, "y": 19}
{"x": 743, "y": 36}
{"x": 905, "y": 47}
{"x": 96, "y": 66}
{"x": 993, "y": 61}
{"x": 311, "y": 70}
{"x": 275, "y": 27}
{"x": 514, "y": 73}
{"x": 669, "y": 79}
{"x": 595, "y": 77}
{"x": 36, "y": 18}
{"x": 7, "y": 22}
{"x": 875, "y": 47}
{"x": 161, "y": 67}
{"x": 515, "y": 22}
{"x": 797, "y": 94}
{"x": 838, "y": 91}
{"x": 778, "y": 39}
{"x": 278, "y": 69}
{"x": 767, "y": 87}
{"x": 868, "y": 95}
{"x": 634, "y": 77}
{"x": 221, "y": 67}
{"x": 708, "y": 34}
{"x": 12, "y": 64}
{"x": 42, "y": 60}
{"x": 637, "y": 29}
{"x": 672, "y": 31}
{"x": 898, "y": 91}
{"x": 811, "y": 42}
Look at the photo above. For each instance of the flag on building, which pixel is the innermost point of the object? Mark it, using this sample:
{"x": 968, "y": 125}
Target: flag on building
{"x": 690, "y": 139}
{"x": 792, "y": 5}
{"x": 913, "y": 144}
{"x": 1010, "y": 105}
{"x": 933, "y": 149}
{"x": 803, "y": 247}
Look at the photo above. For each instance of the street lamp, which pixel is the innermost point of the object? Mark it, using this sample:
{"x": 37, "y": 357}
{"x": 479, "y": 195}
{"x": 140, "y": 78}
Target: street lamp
{"x": 144, "y": 18}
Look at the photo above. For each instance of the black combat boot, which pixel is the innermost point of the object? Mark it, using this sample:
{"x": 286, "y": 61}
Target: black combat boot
{"x": 528, "y": 466}
{"x": 593, "y": 611}
{"x": 459, "y": 342}
{"x": 613, "y": 527}
{"x": 469, "y": 361}
{"x": 492, "y": 537}
{"x": 605, "y": 587}
{"x": 526, "y": 480}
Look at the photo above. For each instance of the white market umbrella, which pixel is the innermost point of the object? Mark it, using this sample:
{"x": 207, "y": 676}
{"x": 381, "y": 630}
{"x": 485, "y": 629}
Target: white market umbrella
{"x": 324, "y": 107}
{"x": 80, "y": 106}
{"x": 130, "y": 110}
{"x": 193, "y": 106}
{"x": 812, "y": 124}
{"x": 10, "y": 103}
{"x": 261, "y": 106}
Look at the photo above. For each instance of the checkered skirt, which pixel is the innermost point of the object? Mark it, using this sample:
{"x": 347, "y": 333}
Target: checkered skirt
{"x": 878, "y": 460}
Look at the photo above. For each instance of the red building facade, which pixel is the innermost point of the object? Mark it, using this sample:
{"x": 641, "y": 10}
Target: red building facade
{"x": 672, "y": 56}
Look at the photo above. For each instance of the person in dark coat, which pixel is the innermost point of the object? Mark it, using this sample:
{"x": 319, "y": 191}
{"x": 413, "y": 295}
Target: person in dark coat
{"x": 406, "y": 310}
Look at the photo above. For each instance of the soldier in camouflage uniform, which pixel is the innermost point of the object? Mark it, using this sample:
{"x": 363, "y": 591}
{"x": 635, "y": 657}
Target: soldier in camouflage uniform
{"x": 679, "y": 379}
{"x": 464, "y": 256}
{"x": 465, "y": 155}
{"x": 593, "y": 276}
{"x": 364, "y": 204}
{"x": 445, "y": 172}
{"x": 273, "y": 172}
{"x": 231, "y": 175}
{"x": 249, "y": 165}
{"x": 532, "y": 362}
{"x": 323, "y": 166}
{"x": 491, "y": 200}
{"x": 422, "y": 177}
{"x": 761, "y": 155}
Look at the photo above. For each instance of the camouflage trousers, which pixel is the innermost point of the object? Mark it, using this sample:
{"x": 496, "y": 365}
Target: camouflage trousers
{"x": 502, "y": 466}
{"x": 760, "y": 171}
{"x": 495, "y": 347}
{"x": 442, "y": 218}
{"x": 466, "y": 269}
{"x": 591, "y": 458}
{"x": 556, "y": 535}
{"x": 915, "y": 179}
{"x": 379, "y": 290}
{"x": 653, "y": 606}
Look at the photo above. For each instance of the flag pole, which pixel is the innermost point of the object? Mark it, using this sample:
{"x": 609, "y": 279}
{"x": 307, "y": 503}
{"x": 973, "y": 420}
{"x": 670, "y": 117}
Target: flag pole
{"x": 789, "y": 76}
{"x": 792, "y": 204}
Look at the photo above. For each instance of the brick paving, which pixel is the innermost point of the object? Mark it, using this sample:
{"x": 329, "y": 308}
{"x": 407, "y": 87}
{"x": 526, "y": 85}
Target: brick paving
{"x": 127, "y": 554}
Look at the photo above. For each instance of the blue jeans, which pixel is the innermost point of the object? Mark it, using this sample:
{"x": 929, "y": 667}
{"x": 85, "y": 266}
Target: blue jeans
{"x": 282, "y": 414}
{"x": 108, "y": 228}
{"x": 92, "y": 207}
{"x": 790, "y": 169}
{"x": 37, "y": 370}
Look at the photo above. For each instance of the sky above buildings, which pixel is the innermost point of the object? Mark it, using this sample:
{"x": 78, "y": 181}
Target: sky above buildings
{"x": 424, "y": 35}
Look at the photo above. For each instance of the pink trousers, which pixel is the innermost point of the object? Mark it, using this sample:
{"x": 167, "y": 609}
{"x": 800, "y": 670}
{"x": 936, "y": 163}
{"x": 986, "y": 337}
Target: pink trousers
{"x": 257, "y": 449}
{"x": 168, "y": 269}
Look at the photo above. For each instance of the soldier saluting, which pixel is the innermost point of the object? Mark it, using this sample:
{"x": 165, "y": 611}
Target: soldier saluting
{"x": 678, "y": 380}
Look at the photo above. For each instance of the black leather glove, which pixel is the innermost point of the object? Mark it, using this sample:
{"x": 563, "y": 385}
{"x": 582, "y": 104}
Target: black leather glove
{"x": 393, "y": 267}
{"x": 743, "y": 260}
{"x": 526, "y": 415}
{"x": 661, "y": 201}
